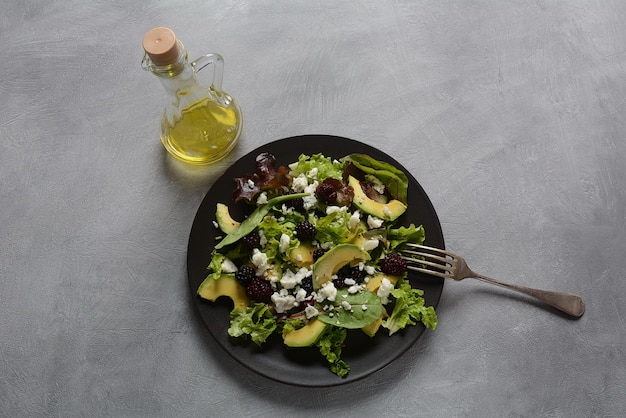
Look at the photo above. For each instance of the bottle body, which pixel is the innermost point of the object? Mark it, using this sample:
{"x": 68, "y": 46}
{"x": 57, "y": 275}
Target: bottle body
{"x": 201, "y": 129}
{"x": 199, "y": 125}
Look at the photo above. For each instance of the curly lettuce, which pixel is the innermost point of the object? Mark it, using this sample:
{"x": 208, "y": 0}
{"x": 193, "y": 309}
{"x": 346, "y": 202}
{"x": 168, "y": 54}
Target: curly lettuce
{"x": 409, "y": 309}
{"x": 330, "y": 345}
{"x": 324, "y": 167}
{"x": 257, "y": 322}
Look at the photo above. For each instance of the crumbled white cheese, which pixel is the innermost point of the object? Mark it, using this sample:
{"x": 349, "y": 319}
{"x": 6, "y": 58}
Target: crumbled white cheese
{"x": 349, "y": 281}
{"x": 251, "y": 184}
{"x": 228, "y": 266}
{"x": 311, "y": 200}
{"x": 384, "y": 290}
{"x": 283, "y": 302}
{"x": 259, "y": 260}
{"x": 300, "y": 295}
{"x": 328, "y": 292}
{"x": 364, "y": 307}
{"x": 346, "y": 306}
{"x": 284, "y": 243}
{"x": 369, "y": 245}
{"x": 373, "y": 222}
{"x": 311, "y": 311}
{"x": 313, "y": 173}
{"x": 326, "y": 245}
{"x": 286, "y": 210}
{"x": 263, "y": 239}
{"x": 262, "y": 199}
{"x": 335, "y": 209}
{"x": 386, "y": 210}
{"x": 299, "y": 183}
{"x": 370, "y": 270}
{"x": 354, "y": 219}
{"x": 355, "y": 288}
{"x": 291, "y": 279}
{"x": 288, "y": 281}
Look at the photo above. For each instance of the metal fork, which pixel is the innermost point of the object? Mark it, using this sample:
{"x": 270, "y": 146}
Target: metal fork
{"x": 445, "y": 264}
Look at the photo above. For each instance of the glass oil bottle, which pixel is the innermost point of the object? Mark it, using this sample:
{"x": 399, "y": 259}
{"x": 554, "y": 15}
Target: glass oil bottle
{"x": 200, "y": 125}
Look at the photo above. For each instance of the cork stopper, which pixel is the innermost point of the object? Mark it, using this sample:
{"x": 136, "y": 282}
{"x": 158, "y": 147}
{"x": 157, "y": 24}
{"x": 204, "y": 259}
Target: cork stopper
{"x": 161, "y": 46}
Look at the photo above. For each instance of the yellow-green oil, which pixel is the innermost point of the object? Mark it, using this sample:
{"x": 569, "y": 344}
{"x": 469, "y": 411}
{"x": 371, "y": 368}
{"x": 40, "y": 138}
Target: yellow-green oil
{"x": 204, "y": 133}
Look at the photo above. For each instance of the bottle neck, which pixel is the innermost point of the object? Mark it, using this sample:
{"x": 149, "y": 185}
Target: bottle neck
{"x": 178, "y": 78}
{"x": 168, "y": 70}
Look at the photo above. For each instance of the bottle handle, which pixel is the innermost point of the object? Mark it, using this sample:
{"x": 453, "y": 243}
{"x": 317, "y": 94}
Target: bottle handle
{"x": 218, "y": 68}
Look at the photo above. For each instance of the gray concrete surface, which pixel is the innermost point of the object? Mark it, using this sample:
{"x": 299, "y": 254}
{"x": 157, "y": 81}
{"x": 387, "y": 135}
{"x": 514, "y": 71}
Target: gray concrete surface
{"x": 510, "y": 115}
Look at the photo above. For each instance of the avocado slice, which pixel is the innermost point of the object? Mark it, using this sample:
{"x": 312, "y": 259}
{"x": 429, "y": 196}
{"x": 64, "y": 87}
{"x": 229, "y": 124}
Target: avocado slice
{"x": 226, "y": 223}
{"x": 305, "y": 336}
{"x": 388, "y": 211}
{"x": 371, "y": 329}
{"x": 302, "y": 255}
{"x": 372, "y": 285}
{"x": 333, "y": 260}
{"x": 225, "y": 285}
{"x": 374, "y": 282}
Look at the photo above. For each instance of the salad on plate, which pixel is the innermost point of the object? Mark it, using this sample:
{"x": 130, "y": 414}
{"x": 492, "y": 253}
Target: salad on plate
{"x": 317, "y": 257}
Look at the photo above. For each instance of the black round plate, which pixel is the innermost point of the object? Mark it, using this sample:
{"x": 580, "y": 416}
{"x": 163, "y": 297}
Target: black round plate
{"x": 305, "y": 367}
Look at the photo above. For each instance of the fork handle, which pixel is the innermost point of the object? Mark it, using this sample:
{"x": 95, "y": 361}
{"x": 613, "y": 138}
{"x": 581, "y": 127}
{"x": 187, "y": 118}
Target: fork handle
{"x": 565, "y": 302}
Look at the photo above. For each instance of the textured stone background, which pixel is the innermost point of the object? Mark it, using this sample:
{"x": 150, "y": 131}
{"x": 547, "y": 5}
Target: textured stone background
{"x": 510, "y": 115}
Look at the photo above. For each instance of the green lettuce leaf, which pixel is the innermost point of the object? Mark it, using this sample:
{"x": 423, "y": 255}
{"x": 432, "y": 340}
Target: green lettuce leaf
{"x": 409, "y": 309}
{"x": 215, "y": 266}
{"x": 356, "y": 317}
{"x": 256, "y": 322}
{"x": 399, "y": 236}
{"x": 325, "y": 166}
{"x": 330, "y": 345}
{"x": 273, "y": 230}
{"x": 293, "y": 323}
{"x": 334, "y": 227}
{"x": 394, "y": 179}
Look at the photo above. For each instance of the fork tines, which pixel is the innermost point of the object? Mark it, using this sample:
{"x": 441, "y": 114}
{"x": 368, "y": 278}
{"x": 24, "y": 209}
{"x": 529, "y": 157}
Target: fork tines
{"x": 428, "y": 260}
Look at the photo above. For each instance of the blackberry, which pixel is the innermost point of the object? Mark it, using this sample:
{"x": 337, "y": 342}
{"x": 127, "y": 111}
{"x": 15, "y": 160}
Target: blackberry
{"x": 306, "y": 302}
{"x": 349, "y": 273}
{"x": 297, "y": 204}
{"x": 252, "y": 240}
{"x": 317, "y": 253}
{"x": 245, "y": 275}
{"x": 393, "y": 264}
{"x": 326, "y": 193}
{"x": 357, "y": 274}
{"x": 340, "y": 281}
{"x": 259, "y": 290}
{"x": 305, "y": 231}
{"x": 307, "y": 285}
